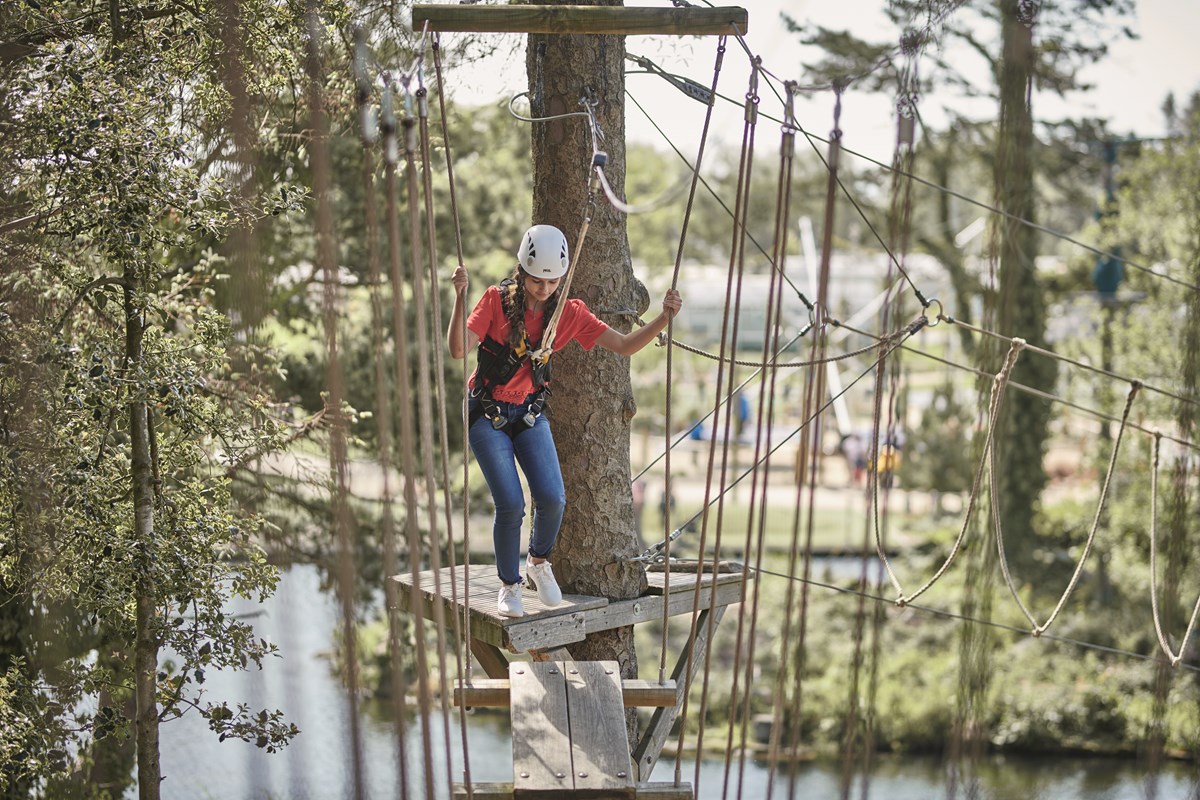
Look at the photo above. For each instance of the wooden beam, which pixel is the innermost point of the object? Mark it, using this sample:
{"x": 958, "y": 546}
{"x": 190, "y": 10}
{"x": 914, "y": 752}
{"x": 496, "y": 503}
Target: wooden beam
{"x": 494, "y": 693}
{"x": 504, "y": 791}
{"x": 491, "y": 658}
{"x": 612, "y": 20}
{"x": 648, "y": 750}
{"x": 599, "y": 738}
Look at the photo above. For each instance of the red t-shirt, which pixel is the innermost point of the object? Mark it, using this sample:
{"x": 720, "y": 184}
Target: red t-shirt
{"x": 577, "y": 323}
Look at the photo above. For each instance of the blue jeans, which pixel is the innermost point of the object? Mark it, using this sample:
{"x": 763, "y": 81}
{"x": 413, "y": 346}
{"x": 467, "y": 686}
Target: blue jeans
{"x": 498, "y": 454}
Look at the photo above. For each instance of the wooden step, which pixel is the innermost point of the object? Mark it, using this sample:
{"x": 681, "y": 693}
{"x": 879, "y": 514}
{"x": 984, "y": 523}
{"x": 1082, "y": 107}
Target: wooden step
{"x": 568, "y": 729}
{"x": 658, "y": 790}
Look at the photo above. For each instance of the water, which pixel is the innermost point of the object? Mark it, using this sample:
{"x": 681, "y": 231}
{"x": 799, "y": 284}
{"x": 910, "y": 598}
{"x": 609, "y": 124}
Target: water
{"x": 300, "y": 619}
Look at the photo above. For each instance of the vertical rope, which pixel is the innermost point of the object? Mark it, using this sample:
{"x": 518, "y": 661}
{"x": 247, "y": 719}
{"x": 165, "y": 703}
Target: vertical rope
{"x": 463, "y": 418}
{"x": 421, "y": 429}
{"x": 743, "y": 177}
{"x": 327, "y": 261}
{"x": 425, "y": 320}
{"x": 813, "y": 399}
{"x": 738, "y": 260}
{"x": 403, "y": 383}
{"x": 766, "y": 393}
{"x": 668, "y": 488}
{"x": 383, "y": 410}
{"x": 462, "y": 650}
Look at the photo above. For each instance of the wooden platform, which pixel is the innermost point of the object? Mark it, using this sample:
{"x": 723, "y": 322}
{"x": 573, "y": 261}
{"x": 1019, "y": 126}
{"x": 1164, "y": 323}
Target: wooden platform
{"x": 545, "y": 628}
{"x": 545, "y": 632}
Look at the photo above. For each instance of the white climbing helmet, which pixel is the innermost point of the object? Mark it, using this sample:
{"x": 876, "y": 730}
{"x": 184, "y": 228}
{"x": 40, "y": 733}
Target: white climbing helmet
{"x": 543, "y": 252}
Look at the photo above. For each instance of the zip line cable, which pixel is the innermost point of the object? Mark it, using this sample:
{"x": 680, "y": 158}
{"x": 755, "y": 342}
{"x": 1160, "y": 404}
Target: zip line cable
{"x": 968, "y": 199}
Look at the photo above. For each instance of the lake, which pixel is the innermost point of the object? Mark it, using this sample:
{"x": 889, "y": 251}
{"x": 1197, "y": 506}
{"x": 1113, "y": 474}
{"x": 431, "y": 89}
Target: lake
{"x": 301, "y": 621}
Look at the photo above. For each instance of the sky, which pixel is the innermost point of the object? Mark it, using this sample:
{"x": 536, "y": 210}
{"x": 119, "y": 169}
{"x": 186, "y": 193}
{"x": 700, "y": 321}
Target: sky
{"x": 1132, "y": 81}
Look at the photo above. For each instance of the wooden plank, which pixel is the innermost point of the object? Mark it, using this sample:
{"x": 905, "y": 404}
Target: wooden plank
{"x": 644, "y": 791}
{"x": 574, "y": 19}
{"x": 490, "y": 657}
{"x": 539, "y": 634}
{"x": 649, "y": 747}
{"x": 494, "y": 693}
{"x": 482, "y": 791}
{"x": 552, "y": 654}
{"x": 487, "y": 624}
{"x": 540, "y": 727}
{"x": 686, "y": 581}
{"x": 664, "y": 791}
{"x": 599, "y": 741}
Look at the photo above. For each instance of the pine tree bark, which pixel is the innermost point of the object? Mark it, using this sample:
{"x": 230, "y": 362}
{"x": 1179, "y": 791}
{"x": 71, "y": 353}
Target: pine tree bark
{"x": 592, "y": 402}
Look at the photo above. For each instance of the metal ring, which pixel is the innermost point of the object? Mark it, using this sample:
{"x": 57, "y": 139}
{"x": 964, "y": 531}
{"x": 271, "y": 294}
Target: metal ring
{"x": 941, "y": 310}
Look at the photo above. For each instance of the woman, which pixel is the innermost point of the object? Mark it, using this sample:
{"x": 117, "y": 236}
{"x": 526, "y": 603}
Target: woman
{"x": 506, "y": 426}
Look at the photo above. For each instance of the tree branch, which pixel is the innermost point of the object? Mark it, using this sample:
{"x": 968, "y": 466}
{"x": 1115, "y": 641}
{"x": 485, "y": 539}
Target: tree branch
{"x": 106, "y": 280}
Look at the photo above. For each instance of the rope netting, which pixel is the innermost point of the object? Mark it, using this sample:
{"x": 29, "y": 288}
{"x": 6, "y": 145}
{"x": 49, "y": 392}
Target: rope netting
{"x": 416, "y": 376}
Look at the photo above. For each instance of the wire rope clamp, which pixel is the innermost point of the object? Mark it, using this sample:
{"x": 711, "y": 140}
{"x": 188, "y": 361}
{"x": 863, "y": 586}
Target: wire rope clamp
{"x": 599, "y": 159}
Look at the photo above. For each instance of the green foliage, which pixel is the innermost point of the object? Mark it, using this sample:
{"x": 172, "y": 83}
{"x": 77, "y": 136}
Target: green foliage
{"x": 939, "y": 456}
{"x": 113, "y": 151}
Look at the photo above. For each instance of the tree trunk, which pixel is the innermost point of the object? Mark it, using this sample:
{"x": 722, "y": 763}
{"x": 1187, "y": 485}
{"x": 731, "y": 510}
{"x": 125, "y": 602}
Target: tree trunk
{"x": 146, "y": 636}
{"x": 592, "y": 404}
{"x": 1021, "y": 310}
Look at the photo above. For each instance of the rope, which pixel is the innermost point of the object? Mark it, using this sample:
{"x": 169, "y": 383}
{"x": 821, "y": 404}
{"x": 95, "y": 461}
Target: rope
{"x": 667, "y": 404}
{"x": 1038, "y": 630}
{"x": 1074, "y": 362}
{"x": 952, "y": 615}
{"x": 424, "y": 694}
{"x": 383, "y": 414}
{"x": 808, "y": 459}
{"x": 464, "y": 634}
{"x": 736, "y": 246}
{"x": 439, "y": 367}
{"x": 1000, "y": 382}
{"x": 1055, "y": 399}
{"x": 766, "y": 400}
{"x": 401, "y": 369}
{"x": 326, "y": 260}
{"x": 1174, "y": 658}
{"x": 544, "y": 352}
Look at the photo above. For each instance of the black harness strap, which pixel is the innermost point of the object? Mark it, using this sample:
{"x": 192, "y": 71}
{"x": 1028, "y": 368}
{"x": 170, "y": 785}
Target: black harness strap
{"x": 497, "y": 363}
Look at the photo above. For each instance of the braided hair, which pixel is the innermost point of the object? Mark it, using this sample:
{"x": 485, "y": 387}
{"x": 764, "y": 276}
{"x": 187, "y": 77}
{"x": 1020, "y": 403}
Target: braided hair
{"x": 513, "y": 297}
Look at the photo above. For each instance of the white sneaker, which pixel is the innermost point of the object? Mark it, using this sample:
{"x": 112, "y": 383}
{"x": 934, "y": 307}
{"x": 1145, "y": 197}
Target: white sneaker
{"x": 542, "y": 578}
{"x": 509, "y": 601}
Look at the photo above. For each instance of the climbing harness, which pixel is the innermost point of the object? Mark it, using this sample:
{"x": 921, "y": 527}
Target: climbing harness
{"x": 497, "y": 363}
